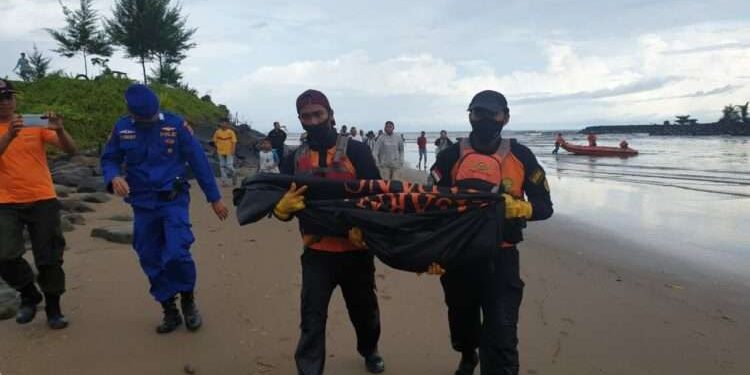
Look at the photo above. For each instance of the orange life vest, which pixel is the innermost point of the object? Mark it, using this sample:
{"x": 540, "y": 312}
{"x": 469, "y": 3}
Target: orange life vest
{"x": 502, "y": 170}
{"x": 338, "y": 167}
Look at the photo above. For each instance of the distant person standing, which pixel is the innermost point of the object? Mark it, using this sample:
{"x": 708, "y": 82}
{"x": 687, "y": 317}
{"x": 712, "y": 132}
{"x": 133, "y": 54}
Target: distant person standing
{"x": 624, "y": 144}
{"x": 277, "y": 137}
{"x": 422, "y": 144}
{"x": 558, "y": 142}
{"x": 344, "y": 131}
{"x": 28, "y": 200}
{"x": 354, "y": 134}
{"x": 443, "y": 142}
{"x": 370, "y": 140}
{"x": 268, "y": 159}
{"x": 389, "y": 152}
{"x": 23, "y": 68}
{"x": 380, "y": 133}
{"x": 592, "y": 139}
{"x": 225, "y": 141}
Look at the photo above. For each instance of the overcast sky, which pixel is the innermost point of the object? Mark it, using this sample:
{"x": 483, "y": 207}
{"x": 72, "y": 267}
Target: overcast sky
{"x": 561, "y": 64}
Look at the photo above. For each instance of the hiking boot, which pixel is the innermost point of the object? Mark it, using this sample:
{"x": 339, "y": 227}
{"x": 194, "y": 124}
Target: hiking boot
{"x": 374, "y": 363}
{"x": 172, "y": 318}
{"x": 469, "y": 361}
{"x": 55, "y": 318}
{"x": 30, "y": 297}
{"x": 193, "y": 319}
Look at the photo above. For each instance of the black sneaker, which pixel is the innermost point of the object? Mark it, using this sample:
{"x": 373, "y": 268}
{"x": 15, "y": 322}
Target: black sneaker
{"x": 30, "y": 298}
{"x": 172, "y": 319}
{"x": 374, "y": 363}
{"x": 55, "y": 318}
{"x": 469, "y": 361}
{"x": 193, "y": 319}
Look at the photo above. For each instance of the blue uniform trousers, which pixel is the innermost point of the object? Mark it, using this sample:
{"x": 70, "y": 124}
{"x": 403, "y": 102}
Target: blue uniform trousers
{"x": 162, "y": 239}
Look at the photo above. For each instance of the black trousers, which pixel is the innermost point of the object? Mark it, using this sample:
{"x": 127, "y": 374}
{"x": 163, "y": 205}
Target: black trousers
{"x": 42, "y": 220}
{"x": 321, "y": 273}
{"x": 483, "y": 299}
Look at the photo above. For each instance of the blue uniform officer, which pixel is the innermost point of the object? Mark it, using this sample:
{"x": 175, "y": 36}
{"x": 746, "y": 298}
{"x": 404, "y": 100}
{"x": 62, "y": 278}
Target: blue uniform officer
{"x": 155, "y": 148}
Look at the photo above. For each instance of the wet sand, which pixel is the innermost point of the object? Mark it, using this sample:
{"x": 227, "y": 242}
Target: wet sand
{"x": 596, "y": 302}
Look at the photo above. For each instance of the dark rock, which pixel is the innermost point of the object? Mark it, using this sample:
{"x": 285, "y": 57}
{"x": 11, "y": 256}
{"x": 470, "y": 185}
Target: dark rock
{"x": 76, "y": 219}
{"x": 71, "y": 175}
{"x": 96, "y": 198}
{"x": 75, "y": 205}
{"x": 66, "y": 225}
{"x": 92, "y": 185}
{"x": 117, "y": 234}
{"x": 63, "y": 191}
{"x": 121, "y": 218}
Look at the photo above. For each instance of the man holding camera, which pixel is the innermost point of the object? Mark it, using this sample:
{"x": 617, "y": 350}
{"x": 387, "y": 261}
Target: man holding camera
{"x": 156, "y": 148}
{"x": 28, "y": 200}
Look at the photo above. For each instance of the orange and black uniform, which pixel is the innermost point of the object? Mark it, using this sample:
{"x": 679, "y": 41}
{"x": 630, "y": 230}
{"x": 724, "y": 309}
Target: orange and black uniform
{"x": 331, "y": 260}
{"x": 484, "y": 296}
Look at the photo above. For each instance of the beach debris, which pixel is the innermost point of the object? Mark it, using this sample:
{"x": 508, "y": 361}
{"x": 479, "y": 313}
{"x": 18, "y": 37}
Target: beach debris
{"x": 674, "y": 286}
{"x": 116, "y": 234}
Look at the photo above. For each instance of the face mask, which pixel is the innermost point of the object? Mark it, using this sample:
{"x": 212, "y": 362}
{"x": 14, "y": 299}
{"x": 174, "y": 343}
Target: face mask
{"x": 322, "y": 135}
{"x": 485, "y": 135}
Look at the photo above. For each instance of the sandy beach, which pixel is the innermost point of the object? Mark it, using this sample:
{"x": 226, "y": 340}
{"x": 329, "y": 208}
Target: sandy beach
{"x": 626, "y": 310}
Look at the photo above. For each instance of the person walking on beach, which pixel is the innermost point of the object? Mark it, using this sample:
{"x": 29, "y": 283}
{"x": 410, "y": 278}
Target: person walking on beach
{"x": 389, "y": 152}
{"x": 330, "y": 261}
{"x": 277, "y": 137}
{"x": 483, "y": 296}
{"x": 156, "y": 148}
{"x": 268, "y": 159}
{"x": 370, "y": 140}
{"x": 28, "y": 200}
{"x": 422, "y": 144}
{"x": 353, "y": 134}
{"x": 442, "y": 142}
{"x": 225, "y": 141}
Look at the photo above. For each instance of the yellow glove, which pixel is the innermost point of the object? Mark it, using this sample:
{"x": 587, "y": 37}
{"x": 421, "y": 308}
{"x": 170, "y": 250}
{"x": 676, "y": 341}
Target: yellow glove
{"x": 516, "y": 208}
{"x": 292, "y": 201}
{"x": 355, "y": 237}
{"x": 434, "y": 269}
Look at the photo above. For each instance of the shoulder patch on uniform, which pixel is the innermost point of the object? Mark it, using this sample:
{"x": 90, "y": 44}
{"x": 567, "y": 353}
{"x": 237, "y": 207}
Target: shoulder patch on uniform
{"x": 188, "y": 127}
{"x": 537, "y": 177}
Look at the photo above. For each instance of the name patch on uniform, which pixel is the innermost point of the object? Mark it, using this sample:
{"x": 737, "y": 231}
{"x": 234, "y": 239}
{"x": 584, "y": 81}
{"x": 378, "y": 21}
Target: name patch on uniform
{"x": 127, "y": 135}
{"x": 168, "y": 131}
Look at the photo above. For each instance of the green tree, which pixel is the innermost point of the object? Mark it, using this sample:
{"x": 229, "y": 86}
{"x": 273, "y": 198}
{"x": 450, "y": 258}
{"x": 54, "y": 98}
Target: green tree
{"x": 39, "y": 64}
{"x": 166, "y": 73}
{"x": 729, "y": 114}
{"x": 151, "y": 29}
{"x": 81, "y": 34}
{"x": 743, "y": 112}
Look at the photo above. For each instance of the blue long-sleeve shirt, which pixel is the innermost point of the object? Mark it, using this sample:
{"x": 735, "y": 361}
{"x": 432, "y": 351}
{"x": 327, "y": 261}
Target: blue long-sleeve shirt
{"x": 155, "y": 155}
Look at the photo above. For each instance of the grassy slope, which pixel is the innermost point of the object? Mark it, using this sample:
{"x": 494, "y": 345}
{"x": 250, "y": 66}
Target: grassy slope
{"x": 92, "y": 107}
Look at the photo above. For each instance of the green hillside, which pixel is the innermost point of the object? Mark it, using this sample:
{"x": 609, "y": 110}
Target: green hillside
{"x": 91, "y": 108}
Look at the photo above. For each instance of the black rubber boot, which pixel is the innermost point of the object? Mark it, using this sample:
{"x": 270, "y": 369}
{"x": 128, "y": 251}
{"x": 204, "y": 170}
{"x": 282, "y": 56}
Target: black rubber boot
{"x": 469, "y": 361}
{"x": 193, "y": 319}
{"x": 172, "y": 318}
{"x": 374, "y": 363}
{"x": 30, "y": 297}
{"x": 55, "y": 318}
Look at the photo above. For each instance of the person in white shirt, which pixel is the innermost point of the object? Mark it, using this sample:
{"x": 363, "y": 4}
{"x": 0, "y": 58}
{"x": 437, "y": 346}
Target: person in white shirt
{"x": 268, "y": 159}
{"x": 354, "y": 134}
{"x": 389, "y": 152}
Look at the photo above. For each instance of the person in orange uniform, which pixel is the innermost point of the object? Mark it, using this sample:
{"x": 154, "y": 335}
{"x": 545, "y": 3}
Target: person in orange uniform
{"x": 225, "y": 141}
{"x": 331, "y": 260}
{"x": 28, "y": 200}
{"x": 484, "y": 295}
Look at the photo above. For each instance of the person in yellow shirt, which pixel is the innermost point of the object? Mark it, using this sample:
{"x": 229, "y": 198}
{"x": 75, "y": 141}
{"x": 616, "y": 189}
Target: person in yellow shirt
{"x": 28, "y": 200}
{"x": 226, "y": 142}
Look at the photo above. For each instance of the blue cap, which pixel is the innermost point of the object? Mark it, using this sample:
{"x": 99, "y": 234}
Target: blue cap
{"x": 142, "y": 101}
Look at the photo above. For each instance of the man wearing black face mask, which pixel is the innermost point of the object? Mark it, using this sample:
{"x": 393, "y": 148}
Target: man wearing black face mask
{"x": 483, "y": 296}
{"x": 331, "y": 260}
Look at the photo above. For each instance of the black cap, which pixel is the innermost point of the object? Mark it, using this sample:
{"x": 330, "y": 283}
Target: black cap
{"x": 490, "y": 100}
{"x": 6, "y": 87}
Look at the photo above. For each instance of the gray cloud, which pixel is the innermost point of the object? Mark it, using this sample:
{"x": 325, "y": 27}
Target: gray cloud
{"x": 631, "y": 88}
